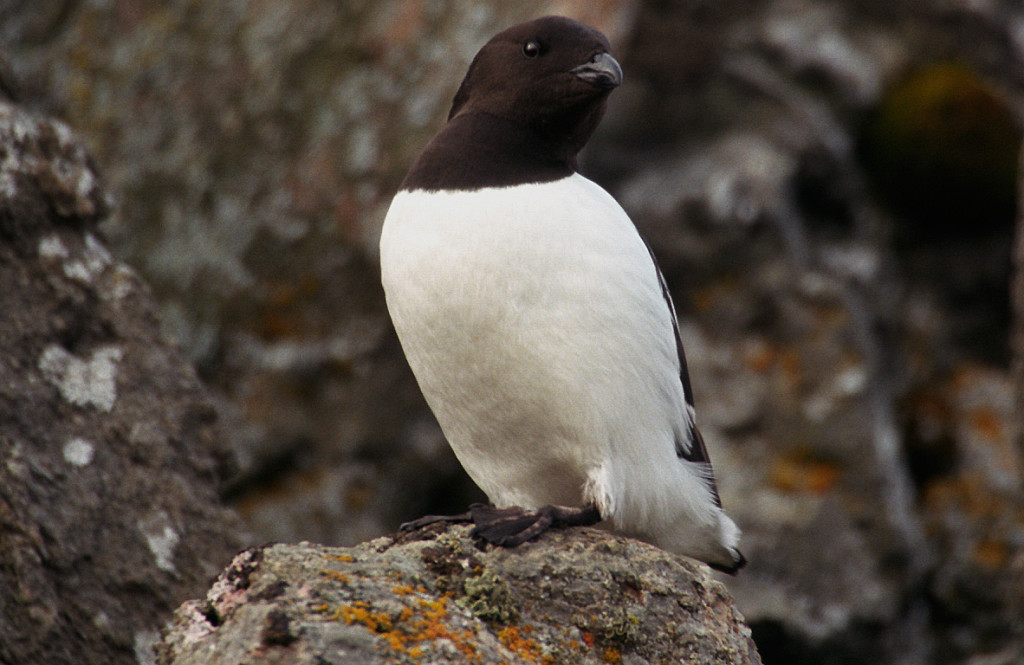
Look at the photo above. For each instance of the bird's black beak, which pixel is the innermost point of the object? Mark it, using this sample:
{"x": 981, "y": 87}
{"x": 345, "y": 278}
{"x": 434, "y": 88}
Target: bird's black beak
{"x": 603, "y": 71}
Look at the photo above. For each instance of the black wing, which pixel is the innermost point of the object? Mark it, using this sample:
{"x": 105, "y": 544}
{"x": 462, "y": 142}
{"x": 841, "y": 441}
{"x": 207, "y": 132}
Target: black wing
{"x": 697, "y": 451}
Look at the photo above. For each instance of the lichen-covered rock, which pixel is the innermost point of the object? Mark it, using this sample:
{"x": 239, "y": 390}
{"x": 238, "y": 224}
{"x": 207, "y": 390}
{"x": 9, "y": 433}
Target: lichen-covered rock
{"x": 858, "y": 379}
{"x": 577, "y": 596}
{"x": 109, "y": 460}
{"x": 254, "y": 148}
{"x": 1017, "y": 302}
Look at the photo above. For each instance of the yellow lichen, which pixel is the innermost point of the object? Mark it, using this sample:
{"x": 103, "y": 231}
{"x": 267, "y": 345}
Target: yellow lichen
{"x": 942, "y": 149}
{"x": 991, "y": 553}
{"x": 987, "y": 422}
{"x": 612, "y": 656}
{"x": 335, "y": 575}
{"x": 800, "y": 473}
{"x": 413, "y": 628}
{"x": 527, "y": 649}
{"x": 357, "y": 612}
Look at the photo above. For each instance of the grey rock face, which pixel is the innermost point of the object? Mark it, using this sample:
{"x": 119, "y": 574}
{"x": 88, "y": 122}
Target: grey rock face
{"x": 1017, "y": 298}
{"x": 851, "y": 358}
{"x": 852, "y": 388}
{"x": 578, "y": 596}
{"x": 109, "y": 459}
{"x": 254, "y": 154}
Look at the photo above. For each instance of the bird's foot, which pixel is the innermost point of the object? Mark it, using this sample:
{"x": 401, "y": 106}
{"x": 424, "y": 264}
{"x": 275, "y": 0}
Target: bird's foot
{"x": 427, "y": 520}
{"x": 508, "y": 527}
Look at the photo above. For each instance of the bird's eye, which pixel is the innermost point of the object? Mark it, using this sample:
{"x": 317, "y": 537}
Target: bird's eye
{"x": 531, "y": 49}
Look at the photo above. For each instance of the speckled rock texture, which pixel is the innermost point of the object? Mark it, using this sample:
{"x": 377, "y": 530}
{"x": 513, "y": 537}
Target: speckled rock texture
{"x": 848, "y": 345}
{"x": 109, "y": 459}
{"x": 846, "y": 305}
{"x": 254, "y": 148}
{"x": 1017, "y": 296}
{"x": 571, "y": 597}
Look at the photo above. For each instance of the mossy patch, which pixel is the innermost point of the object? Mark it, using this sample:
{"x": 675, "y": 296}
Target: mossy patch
{"x": 941, "y": 148}
{"x": 489, "y": 598}
{"x": 618, "y": 630}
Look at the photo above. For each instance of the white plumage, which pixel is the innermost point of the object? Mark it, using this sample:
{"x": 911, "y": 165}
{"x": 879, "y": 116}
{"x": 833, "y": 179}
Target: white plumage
{"x": 534, "y": 320}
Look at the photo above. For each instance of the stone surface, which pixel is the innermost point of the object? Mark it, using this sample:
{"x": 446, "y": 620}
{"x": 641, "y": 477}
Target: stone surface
{"x": 850, "y": 367}
{"x": 109, "y": 457}
{"x": 254, "y": 148}
{"x": 1017, "y": 300}
{"x": 579, "y": 596}
{"x": 851, "y": 355}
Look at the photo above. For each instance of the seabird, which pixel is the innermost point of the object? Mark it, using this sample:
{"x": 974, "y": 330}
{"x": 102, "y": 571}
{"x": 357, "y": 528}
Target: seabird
{"x": 535, "y": 318}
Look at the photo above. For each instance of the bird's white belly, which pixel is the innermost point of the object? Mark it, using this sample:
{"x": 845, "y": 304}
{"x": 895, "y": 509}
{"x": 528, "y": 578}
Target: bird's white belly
{"x": 537, "y": 332}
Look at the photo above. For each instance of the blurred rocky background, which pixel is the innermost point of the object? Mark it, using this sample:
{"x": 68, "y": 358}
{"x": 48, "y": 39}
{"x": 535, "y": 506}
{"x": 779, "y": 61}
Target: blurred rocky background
{"x": 110, "y": 459}
{"x": 829, "y": 186}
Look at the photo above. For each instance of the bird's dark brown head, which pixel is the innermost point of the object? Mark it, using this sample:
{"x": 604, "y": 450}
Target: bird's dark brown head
{"x": 551, "y": 76}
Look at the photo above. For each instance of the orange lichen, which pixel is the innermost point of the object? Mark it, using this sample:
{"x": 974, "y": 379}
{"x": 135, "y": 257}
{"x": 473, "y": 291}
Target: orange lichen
{"x": 964, "y": 492}
{"x": 357, "y": 496}
{"x": 991, "y": 553}
{"x": 761, "y": 358}
{"x": 344, "y": 558}
{"x": 987, "y": 423}
{"x": 282, "y": 315}
{"x": 798, "y": 473}
{"x": 395, "y": 640}
{"x": 822, "y": 477}
{"x": 705, "y": 298}
{"x": 525, "y": 648}
{"x": 276, "y": 325}
{"x": 438, "y": 608}
{"x": 612, "y": 656}
{"x": 412, "y": 628}
{"x": 358, "y": 612}
{"x": 423, "y": 621}
{"x": 335, "y": 575}
{"x": 789, "y": 362}
{"x": 785, "y": 476}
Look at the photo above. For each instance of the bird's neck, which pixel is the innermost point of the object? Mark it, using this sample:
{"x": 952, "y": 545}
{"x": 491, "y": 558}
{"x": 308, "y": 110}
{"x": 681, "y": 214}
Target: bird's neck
{"x": 476, "y": 150}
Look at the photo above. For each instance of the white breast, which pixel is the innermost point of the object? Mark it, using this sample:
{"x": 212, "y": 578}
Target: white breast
{"x": 534, "y": 321}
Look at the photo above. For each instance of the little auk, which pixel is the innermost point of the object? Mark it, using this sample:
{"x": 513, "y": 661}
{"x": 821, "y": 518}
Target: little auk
{"x": 535, "y": 318}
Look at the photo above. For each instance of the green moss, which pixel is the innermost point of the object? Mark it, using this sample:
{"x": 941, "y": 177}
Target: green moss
{"x": 942, "y": 151}
{"x": 620, "y": 630}
{"x": 489, "y": 598}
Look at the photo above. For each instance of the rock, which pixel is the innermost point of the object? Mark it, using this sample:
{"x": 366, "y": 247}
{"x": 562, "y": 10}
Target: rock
{"x": 575, "y": 596}
{"x": 839, "y": 371}
{"x": 975, "y": 516}
{"x": 109, "y": 456}
{"x": 1017, "y": 302}
{"x": 821, "y": 343}
{"x": 254, "y": 154}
